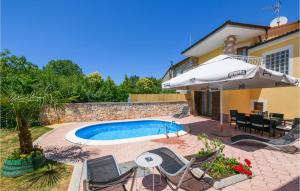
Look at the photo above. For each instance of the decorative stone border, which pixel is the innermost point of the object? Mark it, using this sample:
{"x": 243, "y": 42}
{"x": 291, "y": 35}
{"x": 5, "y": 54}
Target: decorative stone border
{"x": 229, "y": 181}
{"x": 219, "y": 183}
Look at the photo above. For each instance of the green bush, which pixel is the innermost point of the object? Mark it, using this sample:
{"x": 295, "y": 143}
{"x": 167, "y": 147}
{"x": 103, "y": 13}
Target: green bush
{"x": 222, "y": 167}
{"x": 65, "y": 77}
{"x": 16, "y": 154}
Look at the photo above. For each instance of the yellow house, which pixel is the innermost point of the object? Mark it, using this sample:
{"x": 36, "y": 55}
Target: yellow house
{"x": 277, "y": 48}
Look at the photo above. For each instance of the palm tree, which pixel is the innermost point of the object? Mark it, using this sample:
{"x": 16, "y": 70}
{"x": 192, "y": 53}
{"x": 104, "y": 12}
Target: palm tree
{"x": 26, "y": 107}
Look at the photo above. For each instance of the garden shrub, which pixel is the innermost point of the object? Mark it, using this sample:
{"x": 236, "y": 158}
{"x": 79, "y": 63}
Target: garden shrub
{"x": 223, "y": 166}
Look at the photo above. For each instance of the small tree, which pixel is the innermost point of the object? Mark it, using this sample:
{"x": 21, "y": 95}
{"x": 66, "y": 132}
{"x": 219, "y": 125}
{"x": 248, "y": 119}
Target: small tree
{"x": 146, "y": 86}
{"x": 23, "y": 96}
{"x": 25, "y": 108}
{"x": 63, "y": 67}
{"x": 109, "y": 91}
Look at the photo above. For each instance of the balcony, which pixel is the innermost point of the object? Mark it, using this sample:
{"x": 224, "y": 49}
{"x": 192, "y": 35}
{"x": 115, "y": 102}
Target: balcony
{"x": 249, "y": 59}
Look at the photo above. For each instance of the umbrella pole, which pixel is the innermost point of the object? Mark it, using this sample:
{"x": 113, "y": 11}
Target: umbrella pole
{"x": 221, "y": 105}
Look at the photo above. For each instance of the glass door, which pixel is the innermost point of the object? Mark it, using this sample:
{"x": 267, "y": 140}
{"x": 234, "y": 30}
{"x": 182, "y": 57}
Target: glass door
{"x": 207, "y": 104}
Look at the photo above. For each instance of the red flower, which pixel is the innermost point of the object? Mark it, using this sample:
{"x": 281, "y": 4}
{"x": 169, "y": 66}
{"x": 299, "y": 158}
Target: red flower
{"x": 242, "y": 170}
{"x": 249, "y": 173}
{"x": 248, "y": 162}
{"x": 238, "y": 168}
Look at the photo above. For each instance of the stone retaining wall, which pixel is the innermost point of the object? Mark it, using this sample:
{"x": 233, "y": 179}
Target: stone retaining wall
{"x": 110, "y": 111}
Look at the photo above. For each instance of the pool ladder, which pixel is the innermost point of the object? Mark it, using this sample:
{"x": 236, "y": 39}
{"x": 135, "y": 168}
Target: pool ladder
{"x": 167, "y": 129}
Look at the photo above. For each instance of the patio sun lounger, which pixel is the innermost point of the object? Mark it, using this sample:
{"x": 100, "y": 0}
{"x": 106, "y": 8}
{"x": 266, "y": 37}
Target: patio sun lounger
{"x": 287, "y": 127}
{"x": 181, "y": 173}
{"x": 283, "y": 143}
{"x": 184, "y": 113}
{"x": 103, "y": 174}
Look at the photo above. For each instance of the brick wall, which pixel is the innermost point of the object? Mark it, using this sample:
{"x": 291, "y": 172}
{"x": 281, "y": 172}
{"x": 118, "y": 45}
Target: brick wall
{"x": 110, "y": 111}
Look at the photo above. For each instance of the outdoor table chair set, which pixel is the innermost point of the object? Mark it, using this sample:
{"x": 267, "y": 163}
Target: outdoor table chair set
{"x": 178, "y": 172}
{"x": 104, "y": 173}
{"x": 261, "y": 122}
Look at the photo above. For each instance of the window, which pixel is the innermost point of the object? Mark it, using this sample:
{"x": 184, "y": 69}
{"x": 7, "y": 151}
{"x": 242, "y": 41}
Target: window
{"x": 242, "y": 51}
{"x": 258, "y": 106}
{"x": 278, "y": 61}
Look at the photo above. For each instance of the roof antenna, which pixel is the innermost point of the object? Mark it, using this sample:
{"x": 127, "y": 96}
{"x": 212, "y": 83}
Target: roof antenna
{"x": 279, "y": 20}
{"x": 190, "y": 39}
{"x": 276, "y": 7}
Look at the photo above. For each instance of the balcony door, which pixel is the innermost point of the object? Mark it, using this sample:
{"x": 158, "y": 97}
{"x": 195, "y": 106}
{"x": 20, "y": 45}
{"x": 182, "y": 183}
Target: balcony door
{"x": 207, "y": 104}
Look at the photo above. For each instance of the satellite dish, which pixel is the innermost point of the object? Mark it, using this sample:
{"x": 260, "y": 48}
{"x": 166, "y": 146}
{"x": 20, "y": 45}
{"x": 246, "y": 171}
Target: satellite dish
{"x": 278, "y": 21}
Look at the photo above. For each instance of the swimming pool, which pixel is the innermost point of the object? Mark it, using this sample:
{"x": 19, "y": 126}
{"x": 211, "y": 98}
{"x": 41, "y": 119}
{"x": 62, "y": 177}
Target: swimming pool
{"x": 124, "y": 131}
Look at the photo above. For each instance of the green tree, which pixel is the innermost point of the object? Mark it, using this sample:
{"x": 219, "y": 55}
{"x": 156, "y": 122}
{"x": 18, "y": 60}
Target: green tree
{"x": 157, "y": 84}
{"x": 22, "y": 97}
{"x": 17, "y": 73}
{"x": 24, "y": 107}
{"x": 146, "y": 86}
{"x": 63, "y": 67}
{"x": 94, "y": 82}
{"x": 108, "y": 92}
{"x": 129, "y": 84}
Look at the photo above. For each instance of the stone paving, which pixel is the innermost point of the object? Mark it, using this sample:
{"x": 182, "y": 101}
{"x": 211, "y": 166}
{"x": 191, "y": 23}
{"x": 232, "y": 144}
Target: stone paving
{"x": 274, "y": 170}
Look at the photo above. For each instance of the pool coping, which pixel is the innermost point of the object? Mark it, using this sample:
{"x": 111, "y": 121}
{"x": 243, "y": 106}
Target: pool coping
{"x": 71, "y": 137}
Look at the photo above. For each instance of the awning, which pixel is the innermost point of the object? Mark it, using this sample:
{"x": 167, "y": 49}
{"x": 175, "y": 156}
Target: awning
{"x": 230, "y": 73}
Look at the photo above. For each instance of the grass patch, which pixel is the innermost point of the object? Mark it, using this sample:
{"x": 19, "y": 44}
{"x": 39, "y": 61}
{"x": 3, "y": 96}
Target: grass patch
{"x": 8, "y": 142}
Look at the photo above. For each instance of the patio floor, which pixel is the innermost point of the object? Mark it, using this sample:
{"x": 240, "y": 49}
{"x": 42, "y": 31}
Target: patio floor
{"x": 274, "y": 170}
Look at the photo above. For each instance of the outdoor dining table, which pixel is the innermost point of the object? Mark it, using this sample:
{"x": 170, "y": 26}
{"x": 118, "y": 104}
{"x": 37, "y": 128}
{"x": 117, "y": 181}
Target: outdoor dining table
{"x": 273, "y": 123}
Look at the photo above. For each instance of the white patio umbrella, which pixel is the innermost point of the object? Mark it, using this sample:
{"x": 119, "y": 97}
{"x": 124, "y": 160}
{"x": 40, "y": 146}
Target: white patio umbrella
{"x": 229, "y": 73}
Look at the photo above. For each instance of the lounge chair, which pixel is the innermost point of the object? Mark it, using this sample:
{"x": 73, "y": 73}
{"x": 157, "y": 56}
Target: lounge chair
{"x": 181, "y": 173}
{"x": 184, "y": 113}
{"x": 284, "y": 143}
{"x": 104, "y": 174}
{"x": 287, "y": 127}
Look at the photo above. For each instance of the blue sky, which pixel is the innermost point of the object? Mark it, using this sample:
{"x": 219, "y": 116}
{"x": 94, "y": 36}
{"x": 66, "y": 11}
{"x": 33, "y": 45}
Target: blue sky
{"x": 118, "y": 37}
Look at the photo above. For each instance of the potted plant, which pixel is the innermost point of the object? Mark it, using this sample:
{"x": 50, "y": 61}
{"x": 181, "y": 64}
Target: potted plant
{"x": 24, "y": 107}
{"x": 18, "y": 164}
{"x": 225, "y": 170}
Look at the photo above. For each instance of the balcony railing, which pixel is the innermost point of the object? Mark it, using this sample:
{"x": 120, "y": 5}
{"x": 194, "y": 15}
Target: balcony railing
{"x": 249, "y": 59}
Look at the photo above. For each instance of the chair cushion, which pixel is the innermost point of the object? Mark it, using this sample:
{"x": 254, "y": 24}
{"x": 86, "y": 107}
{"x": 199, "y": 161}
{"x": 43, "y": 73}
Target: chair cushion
{"x": 284, "y": 127}
{"x": 259, "y": 125}
{"x": 256, "y": 124}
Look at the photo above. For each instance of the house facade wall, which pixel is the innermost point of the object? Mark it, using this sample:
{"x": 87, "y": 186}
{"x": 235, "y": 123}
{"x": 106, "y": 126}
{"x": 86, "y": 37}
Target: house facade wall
{"x": 281, "y": 100}
{"x": 210, "y": 55}
{"x": 286, "y": 99}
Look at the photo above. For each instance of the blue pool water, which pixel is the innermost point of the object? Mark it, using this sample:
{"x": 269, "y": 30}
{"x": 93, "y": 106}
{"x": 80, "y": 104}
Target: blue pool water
{"x": 127, "y": 129}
